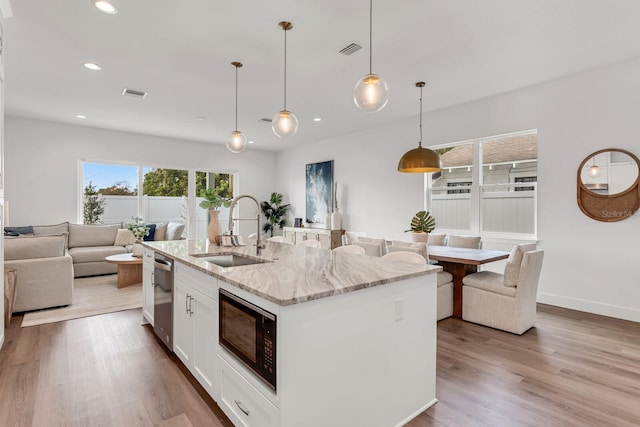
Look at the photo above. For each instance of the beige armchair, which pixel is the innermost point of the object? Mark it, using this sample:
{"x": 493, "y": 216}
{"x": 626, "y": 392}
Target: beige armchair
{"x": 505, "y": 301}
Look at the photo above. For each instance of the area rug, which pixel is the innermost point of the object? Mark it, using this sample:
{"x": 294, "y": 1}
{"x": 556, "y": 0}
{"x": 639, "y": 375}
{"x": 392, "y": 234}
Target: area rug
{"x": 91, "y": 296}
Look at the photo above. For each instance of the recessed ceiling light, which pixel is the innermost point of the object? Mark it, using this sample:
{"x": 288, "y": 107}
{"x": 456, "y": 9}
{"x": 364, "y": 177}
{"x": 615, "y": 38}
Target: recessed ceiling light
{"x": 106, "y": 6}
{"x": 251, "y": 142}
{"x": 80, "y": 116}
{"x": 92, "y": 66}
{"x": 200, "y": 118}
{"x": 317, "y": 119}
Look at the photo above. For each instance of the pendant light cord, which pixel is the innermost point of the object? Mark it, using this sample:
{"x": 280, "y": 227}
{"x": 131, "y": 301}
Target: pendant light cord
{"x": 236, "y": 98}
{"x": 285, "y": 69}
{"x": 370, "y": 36}
{"x": 420, "y": 142}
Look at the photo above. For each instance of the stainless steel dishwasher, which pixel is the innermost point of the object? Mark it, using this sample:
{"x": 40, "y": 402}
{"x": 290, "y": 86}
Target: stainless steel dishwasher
{"x": 163, "y": 299}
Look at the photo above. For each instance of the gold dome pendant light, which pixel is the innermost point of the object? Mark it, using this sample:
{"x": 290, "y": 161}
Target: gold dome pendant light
{"x": 285, "y": 123}
{"x": 420, "y": 160}
{"x": 237, "y": 141}
{"x": 371, "y": 93}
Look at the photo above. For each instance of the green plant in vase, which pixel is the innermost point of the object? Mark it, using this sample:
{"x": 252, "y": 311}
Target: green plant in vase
{"x": 213, "y": 201}
{"x": 275, "y": 212}
{"x": 422, "y": 224}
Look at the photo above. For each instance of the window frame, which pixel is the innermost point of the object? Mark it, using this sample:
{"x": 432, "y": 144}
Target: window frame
{"x": 478, "y": 187}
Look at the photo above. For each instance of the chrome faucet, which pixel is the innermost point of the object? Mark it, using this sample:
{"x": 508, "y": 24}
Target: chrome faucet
{"x": 259, "y": 244}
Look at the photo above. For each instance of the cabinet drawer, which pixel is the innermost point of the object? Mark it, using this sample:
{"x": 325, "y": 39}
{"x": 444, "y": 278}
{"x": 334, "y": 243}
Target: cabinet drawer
{"x": 147, "y": 257}
{"x": 242, "y": 402}
{"x": 201, "y": 282}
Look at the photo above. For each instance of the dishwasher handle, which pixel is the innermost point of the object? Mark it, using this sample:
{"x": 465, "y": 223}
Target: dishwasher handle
{"x": 162, "y": 265}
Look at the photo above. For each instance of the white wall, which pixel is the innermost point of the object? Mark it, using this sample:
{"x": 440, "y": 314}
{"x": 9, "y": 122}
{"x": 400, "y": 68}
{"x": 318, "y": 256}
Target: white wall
{"x": 41, "y": 166}
{"x": 589, "y": 265}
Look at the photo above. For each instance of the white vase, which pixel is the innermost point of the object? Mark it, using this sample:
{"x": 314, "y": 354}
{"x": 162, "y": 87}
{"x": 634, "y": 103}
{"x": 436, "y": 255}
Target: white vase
{"x": 327, "y": 221}
{"x": 336, "y": 220}
{"x": 420, "y": 237}
{"x": 136, "y": 249}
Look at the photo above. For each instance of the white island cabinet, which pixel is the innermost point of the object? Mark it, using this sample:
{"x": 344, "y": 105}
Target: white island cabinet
{"x": 195, "y": 324}
{"x": 147, "y": 285}
{"x": 356, "y": 359}
{"x": 355, "y": 335}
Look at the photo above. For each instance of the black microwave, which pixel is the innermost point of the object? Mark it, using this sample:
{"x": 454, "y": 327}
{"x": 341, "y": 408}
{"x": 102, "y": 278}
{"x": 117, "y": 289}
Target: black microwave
{"x": 249, "y": 333}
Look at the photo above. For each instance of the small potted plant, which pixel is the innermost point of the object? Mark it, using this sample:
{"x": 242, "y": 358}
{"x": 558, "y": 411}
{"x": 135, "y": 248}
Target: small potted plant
{"x": 275, "y": 212}
{"x": 213, "y": 201}
{"x": 139, "y": 230}
{"x": 422, "y": 224}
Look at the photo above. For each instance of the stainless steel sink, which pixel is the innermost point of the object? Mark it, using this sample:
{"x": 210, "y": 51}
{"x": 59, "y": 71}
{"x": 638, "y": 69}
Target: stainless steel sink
{"x": 229, "y": 260}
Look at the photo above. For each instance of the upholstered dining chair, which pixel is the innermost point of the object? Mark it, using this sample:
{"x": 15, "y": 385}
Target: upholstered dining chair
{"x": 312, "y": 243}
{"x": 471, "y": 242}
{"x": 444, "y": 281}
{"x": 351, "y": 249}
{"x": 505, "y": 301}
{"x": 279, "y": 239}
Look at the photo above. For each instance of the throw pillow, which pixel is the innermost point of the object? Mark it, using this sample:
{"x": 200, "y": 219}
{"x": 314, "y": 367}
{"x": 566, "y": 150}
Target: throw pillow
{"x": 17, "y": 231}
{"x": 161, "y": 232}
{"x": 124, "y": 237}
{"x": 512, "y": 269}
{"x": 152, "y": 233}
{"x": 174, "y": 230}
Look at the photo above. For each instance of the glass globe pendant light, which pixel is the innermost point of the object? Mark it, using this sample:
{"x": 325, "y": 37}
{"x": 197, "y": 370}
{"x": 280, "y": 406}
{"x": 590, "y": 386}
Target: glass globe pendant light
{"x": 371, "y": 92}
{"x": 420, "y": 160}
{"x": 285, "y": 123}
{"x": 237, "y": 142}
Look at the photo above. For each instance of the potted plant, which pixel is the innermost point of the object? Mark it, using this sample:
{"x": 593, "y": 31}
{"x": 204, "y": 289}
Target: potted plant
{"x": 139, "y": 230}
{"x": 422, "y": 224}
{"x": 213, "y": 201}
{"x": 275, "y": 213}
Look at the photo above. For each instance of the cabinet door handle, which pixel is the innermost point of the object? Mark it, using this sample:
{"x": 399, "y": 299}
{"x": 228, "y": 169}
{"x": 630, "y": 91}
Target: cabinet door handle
{"x": 186, "y": 304}
{"x": 190, "y": 307}
{"x": 239, "y": 405}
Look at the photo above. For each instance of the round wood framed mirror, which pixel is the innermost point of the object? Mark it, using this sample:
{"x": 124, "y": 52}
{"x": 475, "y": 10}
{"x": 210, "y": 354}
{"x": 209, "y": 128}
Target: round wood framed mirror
{"x": 609, "y": 185}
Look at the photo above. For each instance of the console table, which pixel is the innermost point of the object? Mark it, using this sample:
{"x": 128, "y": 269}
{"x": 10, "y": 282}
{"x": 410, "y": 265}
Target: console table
{"x": 329, "y": 239}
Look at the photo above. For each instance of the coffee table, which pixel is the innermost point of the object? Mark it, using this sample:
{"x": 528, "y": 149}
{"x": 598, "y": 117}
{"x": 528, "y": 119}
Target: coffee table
{"x": 129, "y": 269}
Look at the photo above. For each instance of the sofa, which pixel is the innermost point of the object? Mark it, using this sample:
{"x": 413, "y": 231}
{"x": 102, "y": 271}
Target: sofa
{"x": 48, "y": 257}
{"x": 89, "y": 245}
{"x": 44, "y": 268}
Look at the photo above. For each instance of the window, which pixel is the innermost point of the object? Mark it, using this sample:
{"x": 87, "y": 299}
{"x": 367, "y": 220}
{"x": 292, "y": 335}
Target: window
{"x": 164, "y": 196}
{"x": 118, "y": 189}
{"x": 526, "y": 179}
{"x": 487, "y": 186}
{"x": 459, "y": 184}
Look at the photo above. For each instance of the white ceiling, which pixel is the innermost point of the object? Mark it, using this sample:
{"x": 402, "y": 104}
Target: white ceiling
{"x": 180, "y": 53}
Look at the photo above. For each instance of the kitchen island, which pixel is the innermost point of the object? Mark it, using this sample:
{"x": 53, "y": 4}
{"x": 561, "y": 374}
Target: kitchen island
{"x": 356, "y": 335}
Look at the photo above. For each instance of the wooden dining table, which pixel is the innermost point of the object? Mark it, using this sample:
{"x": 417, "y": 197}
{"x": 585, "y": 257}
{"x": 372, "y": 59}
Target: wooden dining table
{"x": 460, "y": 262}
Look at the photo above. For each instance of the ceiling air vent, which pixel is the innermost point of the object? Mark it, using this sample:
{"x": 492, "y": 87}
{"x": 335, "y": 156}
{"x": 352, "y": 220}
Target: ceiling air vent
{"x": 265, "y": 120}
{"x": 134, "y": 93}
{"x": 350, "y": 49}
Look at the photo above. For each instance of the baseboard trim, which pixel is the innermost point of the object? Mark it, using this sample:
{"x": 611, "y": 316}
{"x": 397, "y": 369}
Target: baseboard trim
{"x": 609, "y": 310}
{"x": 418, "y": 412}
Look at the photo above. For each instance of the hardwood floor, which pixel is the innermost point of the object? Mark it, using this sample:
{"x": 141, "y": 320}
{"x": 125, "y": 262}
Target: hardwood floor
{"x": 573, "y": 369}
{"x": 104, "y": 370}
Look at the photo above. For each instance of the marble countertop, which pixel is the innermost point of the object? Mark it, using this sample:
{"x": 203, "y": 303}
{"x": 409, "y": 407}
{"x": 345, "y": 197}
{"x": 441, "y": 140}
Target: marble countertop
{"x": 292, "y": 274}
